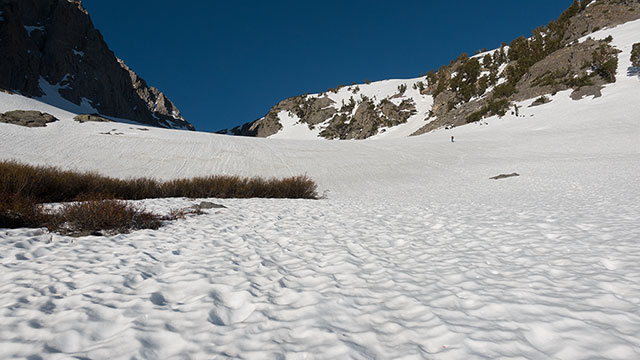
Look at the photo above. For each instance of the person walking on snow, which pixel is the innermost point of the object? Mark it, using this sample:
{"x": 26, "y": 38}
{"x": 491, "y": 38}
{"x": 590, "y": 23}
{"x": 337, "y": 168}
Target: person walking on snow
{"x": 452, "y": 138}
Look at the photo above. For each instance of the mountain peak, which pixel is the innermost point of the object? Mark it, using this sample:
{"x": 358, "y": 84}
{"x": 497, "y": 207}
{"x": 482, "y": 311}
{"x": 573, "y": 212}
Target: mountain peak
{"x": 54, "y": 43}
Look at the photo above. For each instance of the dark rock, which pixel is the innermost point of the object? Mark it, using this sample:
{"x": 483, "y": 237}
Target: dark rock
{"x": 55, "y": 42}
{"x": 311, "y": 111}
{"x": 540, "y": 101}
{"x": 263, "y": 127}
{"x": 158, "y": 299}
{"x": 83, "y": 118}
{"x": 27, "y": 118}
{"x": 594, "y": 90}
{"x": 504, "y": 176}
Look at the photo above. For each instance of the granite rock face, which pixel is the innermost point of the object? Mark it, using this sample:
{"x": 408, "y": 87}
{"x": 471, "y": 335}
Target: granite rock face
{"x": 55, "y": 42}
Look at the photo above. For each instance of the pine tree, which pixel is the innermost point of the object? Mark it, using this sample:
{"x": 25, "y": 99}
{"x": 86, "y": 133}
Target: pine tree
{"x": 605, "y": 60}
{"x": 518, "y": 48}
{"x": 635, "y": 55}
{"x": 487, "y": 60}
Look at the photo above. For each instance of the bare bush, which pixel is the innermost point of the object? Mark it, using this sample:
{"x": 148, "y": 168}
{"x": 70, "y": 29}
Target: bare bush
{"x": 49, "y": 184}
{"x": 98, "y": 201}
{"x": 17, "y": 211}
{"x": 110, "y": 216}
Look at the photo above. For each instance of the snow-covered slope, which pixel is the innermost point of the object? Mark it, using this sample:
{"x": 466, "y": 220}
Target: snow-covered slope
{"x": 292, "y": 128}
{"x": 466, "y": 90}
{"x": 168, "y": 154}
{"x": 414, "y": 254}
{"x": 397, "y": 91}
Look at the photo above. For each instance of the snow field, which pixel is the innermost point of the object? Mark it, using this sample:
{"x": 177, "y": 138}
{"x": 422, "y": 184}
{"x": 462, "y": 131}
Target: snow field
{"x": 415, "y": 253}
{"x": 295, "y": 278}
{"x": 292, "y": 128}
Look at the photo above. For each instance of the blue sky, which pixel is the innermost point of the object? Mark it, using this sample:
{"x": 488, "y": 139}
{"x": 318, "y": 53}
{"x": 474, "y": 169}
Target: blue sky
{"x": 224, "y": 63}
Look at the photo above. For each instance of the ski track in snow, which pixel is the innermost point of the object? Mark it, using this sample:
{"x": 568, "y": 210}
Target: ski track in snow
{"x": 415, "y": 254}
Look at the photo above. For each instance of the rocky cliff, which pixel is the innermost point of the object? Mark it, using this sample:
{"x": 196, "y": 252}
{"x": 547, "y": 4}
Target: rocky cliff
{"x": 553, "y": 59}
{"x": 52, "y": 45}
{"x": 468, "y": 88}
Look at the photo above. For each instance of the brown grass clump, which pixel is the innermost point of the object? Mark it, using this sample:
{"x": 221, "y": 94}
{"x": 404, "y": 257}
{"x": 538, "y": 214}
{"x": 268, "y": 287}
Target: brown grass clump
{"x": 81, "y": 218}
{"x": 110, "y": 216}
{"x": 175, "y": 214}
{"x": 297, "y": 187}
{"x": 17, "y": 211}
{"x": 49, "y": 184}
{"x": 98, "y": 201}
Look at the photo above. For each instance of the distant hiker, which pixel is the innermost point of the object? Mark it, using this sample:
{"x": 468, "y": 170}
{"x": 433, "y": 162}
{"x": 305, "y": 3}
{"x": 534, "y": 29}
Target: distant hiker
{"x": 452, "y": 138}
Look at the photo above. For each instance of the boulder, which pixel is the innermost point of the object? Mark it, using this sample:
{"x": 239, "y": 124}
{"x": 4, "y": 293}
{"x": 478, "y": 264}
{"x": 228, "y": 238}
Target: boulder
{"x": 83, "y": 118}
{"x": 27, "y": 118}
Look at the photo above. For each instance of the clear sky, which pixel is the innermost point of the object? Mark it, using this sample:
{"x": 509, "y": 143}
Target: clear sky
{"x": 224, "y": 63}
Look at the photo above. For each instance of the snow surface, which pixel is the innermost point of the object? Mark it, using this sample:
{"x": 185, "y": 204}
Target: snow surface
{"x": 52, "y": 97}
{"x": 31, "y": 29}
{"x": 414, "y": 254}
{"x": 294, "y": 129}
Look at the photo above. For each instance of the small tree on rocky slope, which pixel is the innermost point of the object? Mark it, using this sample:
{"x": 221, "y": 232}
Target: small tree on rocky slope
{"x": 605, "y": 61}
{"x": 635, "y": 55}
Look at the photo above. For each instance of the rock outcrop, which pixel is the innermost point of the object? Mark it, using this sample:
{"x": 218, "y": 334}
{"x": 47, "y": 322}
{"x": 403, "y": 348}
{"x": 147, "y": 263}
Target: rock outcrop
{"x": 583, "y": 66}
{"x": 54, "y": 43}
{"x": 354, "y": 119}
{"x": 368, "y": 119}
{"x": 27, "y": 118}
{"x": 83, "y": 118}
{"x": 312, "y": 110}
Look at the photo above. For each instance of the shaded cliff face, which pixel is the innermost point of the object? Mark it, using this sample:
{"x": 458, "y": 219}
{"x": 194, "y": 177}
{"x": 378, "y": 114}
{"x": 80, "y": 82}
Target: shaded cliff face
{"x": 52, "y": 45}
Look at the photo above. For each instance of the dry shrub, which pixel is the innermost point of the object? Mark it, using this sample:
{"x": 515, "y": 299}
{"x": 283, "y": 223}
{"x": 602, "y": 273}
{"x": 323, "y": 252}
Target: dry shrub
{"x": 300, "y": 187}
{"x": 23, "y": 188}
{"x": 49, "y": 184}
{"x": 175, "y": 214}
{"x": 297, "y": 187}
{"x": 84, "y": 218}
{"x": 17, "y": 211}
{"x": 111, "y": 216}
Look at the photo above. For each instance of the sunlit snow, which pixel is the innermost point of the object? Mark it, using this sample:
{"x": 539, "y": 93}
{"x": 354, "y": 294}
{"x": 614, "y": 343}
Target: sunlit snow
{"x": 415, "y": 253}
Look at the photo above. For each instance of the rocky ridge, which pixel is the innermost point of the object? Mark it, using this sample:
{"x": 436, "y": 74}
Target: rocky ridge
{"x": 52, "y": 44}
{"x": 552, "y": 60}
{"x": 468, "y": 88}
